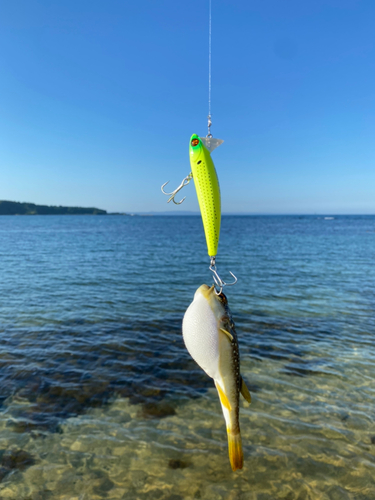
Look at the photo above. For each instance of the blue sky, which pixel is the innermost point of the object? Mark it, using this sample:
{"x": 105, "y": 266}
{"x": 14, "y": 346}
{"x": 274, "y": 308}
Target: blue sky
{"x": 98, "y": 101}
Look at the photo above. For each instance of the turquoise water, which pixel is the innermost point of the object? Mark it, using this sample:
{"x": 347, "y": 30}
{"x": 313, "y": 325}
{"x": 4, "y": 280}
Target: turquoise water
{"x": 99, "y": 398}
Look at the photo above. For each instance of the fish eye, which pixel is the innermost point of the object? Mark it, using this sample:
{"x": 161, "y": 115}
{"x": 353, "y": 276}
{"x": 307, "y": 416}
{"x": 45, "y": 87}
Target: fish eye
{"x": 195, "y": 142}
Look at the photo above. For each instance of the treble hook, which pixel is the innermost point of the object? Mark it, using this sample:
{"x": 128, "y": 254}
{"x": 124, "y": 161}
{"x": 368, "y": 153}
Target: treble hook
{"x": 184, "y": 183}
{"x": 217, "y": 280}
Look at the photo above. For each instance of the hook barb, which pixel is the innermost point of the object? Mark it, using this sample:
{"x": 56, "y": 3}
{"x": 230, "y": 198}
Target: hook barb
{"x": 171, "y": 195}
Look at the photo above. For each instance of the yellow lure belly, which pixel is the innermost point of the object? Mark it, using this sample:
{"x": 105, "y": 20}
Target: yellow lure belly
{"x": 208, "y": 192}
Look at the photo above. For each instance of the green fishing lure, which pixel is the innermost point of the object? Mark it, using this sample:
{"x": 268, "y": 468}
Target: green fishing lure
{"x": 208, "y": 192}
{"x": 207, "y": 188}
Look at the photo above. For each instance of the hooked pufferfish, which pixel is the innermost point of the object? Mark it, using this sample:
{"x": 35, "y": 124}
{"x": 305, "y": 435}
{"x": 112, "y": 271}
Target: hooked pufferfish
{"x": 211, "y": 339}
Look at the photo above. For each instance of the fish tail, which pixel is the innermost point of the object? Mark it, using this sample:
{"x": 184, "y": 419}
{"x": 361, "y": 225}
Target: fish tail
{"x": 235, "y": 449}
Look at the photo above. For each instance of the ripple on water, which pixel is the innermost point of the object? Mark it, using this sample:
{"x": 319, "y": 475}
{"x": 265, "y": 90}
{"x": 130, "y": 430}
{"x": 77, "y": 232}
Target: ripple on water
{"x": 99, "y": 398}
{"x": 128, "y": 415}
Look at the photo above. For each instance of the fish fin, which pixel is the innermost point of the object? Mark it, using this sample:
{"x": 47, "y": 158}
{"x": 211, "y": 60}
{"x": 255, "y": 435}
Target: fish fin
{"x": 235, "y": 450}
{"x": 223, "y": 398}
{"x": 245, "y": 391}
{"x": 229, "y": 335}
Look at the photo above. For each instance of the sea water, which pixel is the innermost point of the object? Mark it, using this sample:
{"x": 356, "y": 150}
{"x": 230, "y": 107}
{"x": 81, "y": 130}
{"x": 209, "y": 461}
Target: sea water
{"x": 99, "y": 398}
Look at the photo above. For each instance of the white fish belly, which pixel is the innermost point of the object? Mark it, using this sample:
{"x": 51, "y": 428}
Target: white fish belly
{"x": 201, "y": 336}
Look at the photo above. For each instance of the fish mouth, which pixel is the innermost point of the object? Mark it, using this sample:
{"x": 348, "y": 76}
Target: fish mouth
{"x": 209, "y": 292}
{"x": 204, "y": 290}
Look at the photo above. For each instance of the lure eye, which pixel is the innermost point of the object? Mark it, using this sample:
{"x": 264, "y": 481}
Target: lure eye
{"x": 195, "y": 142}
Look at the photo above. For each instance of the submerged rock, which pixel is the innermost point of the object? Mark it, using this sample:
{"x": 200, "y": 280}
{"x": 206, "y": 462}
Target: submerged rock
{"x": 157, "y": 410}
{"x": 102, "y": 486}
{"x": 3, "y": 473}
{"x": 138, "y": 478}
{"x": 16, "y": 459}
{"x": 177, "y": 464}
{"x": 92, "y": 367}
{"x": 301, "y": 368}
{"x": 337, "y": 493}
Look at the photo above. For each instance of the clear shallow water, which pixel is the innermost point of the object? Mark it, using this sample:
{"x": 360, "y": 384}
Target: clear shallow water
{"x": 99, "y": 398}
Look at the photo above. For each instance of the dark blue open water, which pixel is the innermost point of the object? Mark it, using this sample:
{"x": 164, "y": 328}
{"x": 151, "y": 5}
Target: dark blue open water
{"x": 99, "y": 399}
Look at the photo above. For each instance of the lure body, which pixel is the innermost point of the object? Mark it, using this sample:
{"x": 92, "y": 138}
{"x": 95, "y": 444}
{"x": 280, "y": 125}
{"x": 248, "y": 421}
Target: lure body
{"x": 210, "y": 337}
{"x": 208, "y": 191}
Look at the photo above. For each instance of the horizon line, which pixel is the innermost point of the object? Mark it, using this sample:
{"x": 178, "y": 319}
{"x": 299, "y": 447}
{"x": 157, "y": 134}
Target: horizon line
{"x": 188, "y": 213}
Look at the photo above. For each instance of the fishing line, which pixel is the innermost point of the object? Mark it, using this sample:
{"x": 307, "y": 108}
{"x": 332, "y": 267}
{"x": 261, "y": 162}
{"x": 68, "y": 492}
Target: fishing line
{"x": 209, "y": 70}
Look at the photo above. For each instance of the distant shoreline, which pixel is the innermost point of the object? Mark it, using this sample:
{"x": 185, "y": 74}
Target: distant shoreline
{"x": 24, "y": 208}
{"x": 17, "y": 208}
